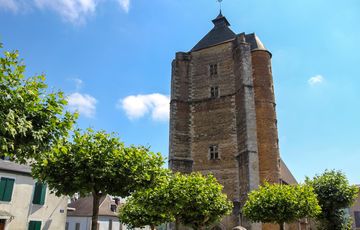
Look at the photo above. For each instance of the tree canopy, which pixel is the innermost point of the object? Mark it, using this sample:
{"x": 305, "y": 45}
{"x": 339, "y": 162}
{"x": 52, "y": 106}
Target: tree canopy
{"x": 279, "y": 204}
{"x": 334, "y": 194}
{"x": 198, "y": 200}
{"x": 97, "y": 163}
{"x": 31, "y": 118}
{"x": 149, "y": 206}
{"x": 193, "y": 200}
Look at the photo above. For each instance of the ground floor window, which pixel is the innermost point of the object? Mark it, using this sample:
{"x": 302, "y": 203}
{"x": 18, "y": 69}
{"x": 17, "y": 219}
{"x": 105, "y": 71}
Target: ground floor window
{"x": 34, "y": 225}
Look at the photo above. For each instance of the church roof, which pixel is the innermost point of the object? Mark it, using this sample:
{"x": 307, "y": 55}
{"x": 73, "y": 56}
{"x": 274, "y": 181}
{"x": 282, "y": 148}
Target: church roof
{"x": 221, "y": 33}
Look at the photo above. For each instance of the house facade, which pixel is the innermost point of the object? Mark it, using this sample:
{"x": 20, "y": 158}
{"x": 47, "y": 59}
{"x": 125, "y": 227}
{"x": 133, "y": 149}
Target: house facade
{"x": 27, "y": 204}
{"x": 355, "y": 212}
{"x": 80, "y": 214}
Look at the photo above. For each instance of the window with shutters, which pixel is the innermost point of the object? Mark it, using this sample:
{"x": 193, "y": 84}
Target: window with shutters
{"x": 214, "y": 92}
{"x": 34, "y": 225}
{"x": 39, "y": 193}
{"x": 213, "y": 70}
{"x": 6, "y": 188}
{"x": 214, "y": 152}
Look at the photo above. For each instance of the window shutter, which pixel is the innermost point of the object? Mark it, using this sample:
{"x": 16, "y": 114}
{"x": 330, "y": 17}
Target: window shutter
{"x": 39, "y": 193}
{"x": 2, "y": 187}
{"x": 34, "y": 225}
{"x": 6, "y": 188}
{"x": 43, "y": 194}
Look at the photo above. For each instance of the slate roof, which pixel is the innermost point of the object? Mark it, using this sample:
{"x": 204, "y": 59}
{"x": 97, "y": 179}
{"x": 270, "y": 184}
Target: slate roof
{"x": 221, "y": 33}
{"x": 12, "y": 167}
{"x": 285, "y": 174}
{"x": 84, "y": 206}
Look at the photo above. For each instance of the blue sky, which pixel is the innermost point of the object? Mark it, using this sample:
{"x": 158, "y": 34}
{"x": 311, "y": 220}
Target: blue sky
{"x": 113, "y": 59}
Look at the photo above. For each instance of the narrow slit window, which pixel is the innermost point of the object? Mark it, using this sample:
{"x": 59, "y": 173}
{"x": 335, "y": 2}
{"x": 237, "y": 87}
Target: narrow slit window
{"x": 214, "y": 92}
{"x": 214, "y": 152}
{"x": 213, "y": 70}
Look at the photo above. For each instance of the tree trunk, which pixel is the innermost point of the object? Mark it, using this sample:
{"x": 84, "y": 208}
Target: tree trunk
{"x": 152, "y": 227}
{"x": 96, "y": 201}
{"x": 176, "y": 224}
{"x": 281, "y": 226}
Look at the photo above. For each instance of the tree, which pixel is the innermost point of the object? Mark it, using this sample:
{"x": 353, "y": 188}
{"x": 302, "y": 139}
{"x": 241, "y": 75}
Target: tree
{"x": 197, "y": 200}
{"x": 334, "y": 194}
{"x": 279, "y": 204}
{"x": 194, "y": 200}
{"x": 148, "y": 206}
{"x": 31, "y": 119}
{"x": 97, "y": 163}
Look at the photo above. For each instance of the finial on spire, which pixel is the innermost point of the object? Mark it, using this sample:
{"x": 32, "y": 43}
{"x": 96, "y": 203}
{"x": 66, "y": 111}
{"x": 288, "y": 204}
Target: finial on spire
{"x": 219, "y": 1}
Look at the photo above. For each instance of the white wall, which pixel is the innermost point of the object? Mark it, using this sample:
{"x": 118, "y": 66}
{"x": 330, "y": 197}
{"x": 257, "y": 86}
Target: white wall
{"x": 85, "y": 223}
{"x": 52, "y": 214}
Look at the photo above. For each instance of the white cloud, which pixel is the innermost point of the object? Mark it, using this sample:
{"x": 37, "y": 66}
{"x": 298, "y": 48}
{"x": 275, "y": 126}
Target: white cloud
{"x": 139, "y": 105}
{"x": 78, "y": 83}
{"x": 316, "y": 80}
{"x": 82, "y": 103}
{"x": 74, "y": 11}
{"x": 13, "y": 5}
{"x": 124, "y": 4}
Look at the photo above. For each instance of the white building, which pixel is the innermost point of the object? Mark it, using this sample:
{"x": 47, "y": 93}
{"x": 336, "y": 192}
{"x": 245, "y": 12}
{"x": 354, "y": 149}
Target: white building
{"x": 80, "y": 213}
{"x": 27, "y": 204}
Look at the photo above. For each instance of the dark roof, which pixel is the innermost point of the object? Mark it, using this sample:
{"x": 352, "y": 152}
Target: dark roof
{"x": 219, "y": 34}
{"x": 285, "y": 174}
{"x": 84, "y": 205}
{"x": 12, "y": 167}
{"x": 254, "y": 41}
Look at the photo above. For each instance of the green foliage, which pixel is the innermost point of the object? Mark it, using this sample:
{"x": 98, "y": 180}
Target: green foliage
{"x": 148, "y": 206}
{"x": 194, "y": 200}
{"x": 334, "y": 194}
{"x": 197, "y": 200}
{"x": 97, "y": 161}
{"x": 276, "y": 203}
{"x": 31, "y": 119}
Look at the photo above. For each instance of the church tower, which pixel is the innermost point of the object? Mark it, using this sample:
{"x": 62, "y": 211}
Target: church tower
{"x": 222, "y": 116}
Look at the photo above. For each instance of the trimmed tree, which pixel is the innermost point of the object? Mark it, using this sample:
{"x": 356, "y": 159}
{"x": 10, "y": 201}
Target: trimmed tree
{"x": 197, "y": 200}
{"x": 148, "y": 206}
{"x": 97, "y": 163}
{"x": 334, "y": 194}
{"x": 193, "y": 200}
{"x": 279, "y": 204}
{"x": 31, "y": 118}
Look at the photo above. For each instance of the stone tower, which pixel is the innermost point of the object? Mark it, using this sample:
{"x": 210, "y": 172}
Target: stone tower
{"x": 223, "y": 118}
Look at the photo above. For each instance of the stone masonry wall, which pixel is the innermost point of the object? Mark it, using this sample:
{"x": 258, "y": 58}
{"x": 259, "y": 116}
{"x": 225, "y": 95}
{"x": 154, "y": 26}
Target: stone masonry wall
{"x": 180, "y": 159}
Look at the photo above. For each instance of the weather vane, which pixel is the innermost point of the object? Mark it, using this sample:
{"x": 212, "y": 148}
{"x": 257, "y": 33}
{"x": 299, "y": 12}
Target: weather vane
{"x": 219, "y": 1}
